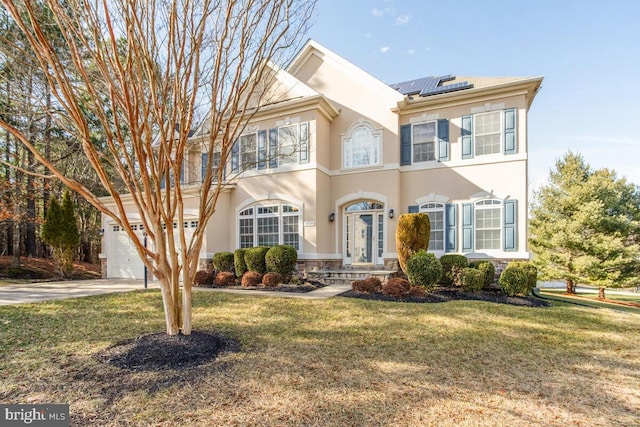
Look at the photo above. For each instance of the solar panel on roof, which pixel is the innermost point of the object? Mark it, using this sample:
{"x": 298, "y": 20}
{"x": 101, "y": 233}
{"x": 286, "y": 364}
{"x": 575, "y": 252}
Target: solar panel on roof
{"x": 427, "y": 86}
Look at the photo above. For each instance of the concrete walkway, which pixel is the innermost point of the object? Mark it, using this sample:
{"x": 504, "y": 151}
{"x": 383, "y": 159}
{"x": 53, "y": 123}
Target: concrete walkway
{"x": 46, "y": 291}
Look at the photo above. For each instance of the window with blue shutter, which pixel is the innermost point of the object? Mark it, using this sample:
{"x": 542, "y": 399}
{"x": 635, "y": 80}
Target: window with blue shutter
{"x": 510, "y": 144}
{"x": 443, "y": 140}
{"x": 262, "y": 149}
{"x": 467, "y": 137}
{"x": 451, "y": 221}
{"x": 304, "y": 142}
{"x": 235, "y": 157}
{"x": 273, "y": 148}
{"x": 405, "y": 145}
{"x": 510, "y": 225}
{"x": 467, "y": 227}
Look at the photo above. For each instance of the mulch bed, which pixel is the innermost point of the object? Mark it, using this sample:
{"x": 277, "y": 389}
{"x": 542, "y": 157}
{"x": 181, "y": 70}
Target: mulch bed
{"x": 305, "y": 287}
{"x": 453, "y": 294}
{"x": 159, "y": 351}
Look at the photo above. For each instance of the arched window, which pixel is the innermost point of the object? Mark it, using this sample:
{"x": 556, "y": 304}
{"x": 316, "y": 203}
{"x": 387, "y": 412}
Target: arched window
{"x": 362, "y": 147}
{"x": 435, "y": 211}
{"x": 269, "y": 225}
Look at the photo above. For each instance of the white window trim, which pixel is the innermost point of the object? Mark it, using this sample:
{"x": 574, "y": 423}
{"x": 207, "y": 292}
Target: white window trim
{"x": 436, "y": 154}
{"x": 255, "y": 216}
{"x": 295, "y": 154}
{"x": 478, "y": 205}
{"x": 441, "y": 208}
{"x": 377, "y": 145}
{"x": 500, "y": 114}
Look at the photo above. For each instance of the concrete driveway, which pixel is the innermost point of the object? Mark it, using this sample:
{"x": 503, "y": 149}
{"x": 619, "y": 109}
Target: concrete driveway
{"x": 45, "y": 291}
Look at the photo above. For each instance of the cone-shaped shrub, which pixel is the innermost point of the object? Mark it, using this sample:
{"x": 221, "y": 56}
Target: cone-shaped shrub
{"x": 238, "y": 262}
{"x": 412, "y": 235}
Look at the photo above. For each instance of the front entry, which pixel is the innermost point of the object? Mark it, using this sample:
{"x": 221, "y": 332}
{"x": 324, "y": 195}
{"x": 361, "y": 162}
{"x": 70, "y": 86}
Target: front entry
{"x": 364, "y": 233}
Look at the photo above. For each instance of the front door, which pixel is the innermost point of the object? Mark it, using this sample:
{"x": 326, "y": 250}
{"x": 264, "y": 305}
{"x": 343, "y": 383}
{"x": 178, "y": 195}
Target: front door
{"x": 364, "y": 233}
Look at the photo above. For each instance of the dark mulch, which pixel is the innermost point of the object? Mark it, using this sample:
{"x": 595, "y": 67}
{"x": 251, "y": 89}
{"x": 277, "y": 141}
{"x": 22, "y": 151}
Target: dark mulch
{"x": 156, "y": 352}
{"x": 452, "y": 294}
{"x": 305, "y": 287}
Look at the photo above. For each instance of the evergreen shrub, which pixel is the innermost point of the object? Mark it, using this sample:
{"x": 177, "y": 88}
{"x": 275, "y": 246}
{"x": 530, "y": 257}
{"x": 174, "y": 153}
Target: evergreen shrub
{"x": 424, "y": 269}
{"x": 281, "y": 259}
{"x": 238, "y": 262}
{"x": 487, "y": 268}
{"x": 473, "y": 280}
{"x": 448, "y": 262}
{"x": 255, "y": 259}
{"x": 223, "y": 261}
{"x": 412, "y": 235}
{"x": 514, "y": 281}
{"x": 531, "y": 270}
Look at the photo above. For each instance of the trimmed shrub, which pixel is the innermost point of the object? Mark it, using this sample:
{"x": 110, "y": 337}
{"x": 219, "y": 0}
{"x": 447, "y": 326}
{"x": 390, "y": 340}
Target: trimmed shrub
{"x": 251, "y": 279}
{"x": 370, "y": 285}
{"x": 423, "y": 269}
{"x": 448, "y": 262}
{"x": 238, "y": 262}
{"x": 255, "y": 259}
{"x": 223, "y": 261}
{"x": 271, "y": 280}
{"x": 514, "y": 281}
{"x": 531, "y": 270}
{"x": 225, "y": 279}
{"x": 472, "y": 280}
{"x": 281, "y": 259}
{"x": 487, "y": 268}
{"x": 396, "y": 287}
{"x": 412, "y": 235}
{"x": 203, "y": 277}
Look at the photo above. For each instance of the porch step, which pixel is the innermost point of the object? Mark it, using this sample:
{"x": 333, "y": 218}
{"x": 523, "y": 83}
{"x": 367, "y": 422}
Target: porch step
{"x": 346, "y": 277}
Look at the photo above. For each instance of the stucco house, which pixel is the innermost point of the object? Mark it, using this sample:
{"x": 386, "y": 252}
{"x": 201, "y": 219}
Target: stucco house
{"x": 366, "y": 152}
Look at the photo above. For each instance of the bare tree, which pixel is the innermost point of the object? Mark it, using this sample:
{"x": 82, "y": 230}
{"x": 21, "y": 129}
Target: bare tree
{"x": 157, "y": 63}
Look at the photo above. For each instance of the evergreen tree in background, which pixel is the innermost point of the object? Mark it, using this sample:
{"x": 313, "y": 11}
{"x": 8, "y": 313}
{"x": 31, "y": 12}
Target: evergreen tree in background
{"x": 60, "y": 231}
{"x": 585, "y": 227}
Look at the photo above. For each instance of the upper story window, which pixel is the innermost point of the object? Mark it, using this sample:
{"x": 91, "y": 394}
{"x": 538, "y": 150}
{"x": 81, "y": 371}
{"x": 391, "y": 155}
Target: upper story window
{"x": 248, "y": 151}
{"x": 362, "y": 147}
{"x": 488, "y": 133}
{"x": 424, "y": 142}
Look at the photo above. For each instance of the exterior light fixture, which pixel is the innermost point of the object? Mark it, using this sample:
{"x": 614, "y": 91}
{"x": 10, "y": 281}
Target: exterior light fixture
{"x": 332, "y": 216}
{"x": 391, "y": 213}
{"x": 101, "y": 232}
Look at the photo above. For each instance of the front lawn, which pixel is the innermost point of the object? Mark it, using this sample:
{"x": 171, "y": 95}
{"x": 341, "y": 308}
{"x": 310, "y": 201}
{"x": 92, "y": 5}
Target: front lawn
{"x": 336, "y": 362}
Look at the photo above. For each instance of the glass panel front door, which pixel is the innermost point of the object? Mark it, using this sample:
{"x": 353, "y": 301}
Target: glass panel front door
{"x": 363, "y": 238}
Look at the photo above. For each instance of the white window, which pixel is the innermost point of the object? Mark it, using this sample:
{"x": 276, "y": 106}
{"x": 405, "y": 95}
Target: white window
{"x": 362, "y": 147}
{"x": 487, "y": 133}
{"x": 269, "y": 225}
{"x": 248, "y": 151}
{"x": 488, "y": 224}
{"x": 435, "y": 211}
{"x": 424, "y": 142}
{"x": 288, "y": 144}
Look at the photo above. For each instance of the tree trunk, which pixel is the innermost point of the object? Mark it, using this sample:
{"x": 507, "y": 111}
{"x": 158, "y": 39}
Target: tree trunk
{"x": 601, "y": 293}
{"x": 171, "y": 320}
{"x": 571, "y": 287}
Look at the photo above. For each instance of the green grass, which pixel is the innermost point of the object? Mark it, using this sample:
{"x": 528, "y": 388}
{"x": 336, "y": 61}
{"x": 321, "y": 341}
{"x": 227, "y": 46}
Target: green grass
{"x": 335, "y": 362}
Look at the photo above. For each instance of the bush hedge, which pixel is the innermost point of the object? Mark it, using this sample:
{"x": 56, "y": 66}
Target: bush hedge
{"x": 448, "y": 262}
{"x": 531, "y": 270}
{"x": 487, "y": 268}
{"x": 238, "y": 262}
{"x": 370, "y": 285}
{"x": 281, "y": 259}
{"x": 396, "y": 287}
{"x": 255, "y": 259}
{"x": 223, "y": 261}
{"x": 271, "y": 280}
{"x": 424, "y": 270}
{"x": 203, "y": 277}
{"x": 251, "y": 279}
{"x": 514, "y": 281}
{"x": 412, "y": 235}
{"x": 225, "y": 279}
{"x": 473, "y": 280}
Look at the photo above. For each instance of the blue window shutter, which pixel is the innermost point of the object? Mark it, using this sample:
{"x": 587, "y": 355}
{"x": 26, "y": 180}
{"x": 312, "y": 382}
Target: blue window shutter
{"x": 451, "y": 223}
{"x": 182, "y": 168}
{"x": 467, "y": 137}
{"x": 510, "y": 225}
{"x": 262, "y": 149}
{"x": 443, "y": 140}
{"x": 405, "y": 145}
{"x": 162, "y": 182}
{"x": 235, "y": 157}
{"x": 273, "y": 148}
{"x": 304, "y": 142}
{"x": 467, "y": 227}
{"x": 510, "y": 145}
{"x": 414, "y": 209}
{"x": 204, "y": 163}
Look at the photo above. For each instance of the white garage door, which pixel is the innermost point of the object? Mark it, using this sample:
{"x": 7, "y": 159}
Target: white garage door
{"x": 123, "y": 261}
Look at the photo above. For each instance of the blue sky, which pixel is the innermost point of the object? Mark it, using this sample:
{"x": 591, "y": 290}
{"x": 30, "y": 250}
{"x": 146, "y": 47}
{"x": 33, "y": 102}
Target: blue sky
{"x": 587, "y": 51}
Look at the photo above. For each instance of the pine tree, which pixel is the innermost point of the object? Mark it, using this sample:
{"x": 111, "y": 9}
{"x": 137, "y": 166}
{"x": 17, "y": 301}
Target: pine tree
{"x": 60, "y": 231}
{"x": 585, "y": 227}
